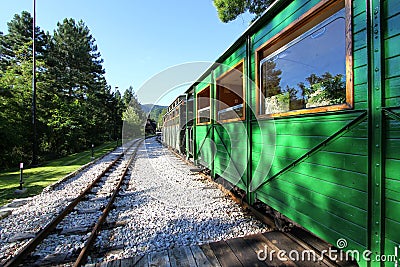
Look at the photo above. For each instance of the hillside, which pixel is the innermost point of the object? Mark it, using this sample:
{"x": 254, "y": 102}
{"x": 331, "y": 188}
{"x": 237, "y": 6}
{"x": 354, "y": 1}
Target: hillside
{"x": 154, "y": 111}
{"x": 148, "y": 107}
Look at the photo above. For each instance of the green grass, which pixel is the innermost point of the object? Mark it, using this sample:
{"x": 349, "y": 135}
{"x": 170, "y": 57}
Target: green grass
{"x": 36, "y": 179}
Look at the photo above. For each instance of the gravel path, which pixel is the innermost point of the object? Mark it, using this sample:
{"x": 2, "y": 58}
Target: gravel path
{"x": 21, "y": 225}
{"x": 76, "y": 226}
{"x": 165, "y": 205}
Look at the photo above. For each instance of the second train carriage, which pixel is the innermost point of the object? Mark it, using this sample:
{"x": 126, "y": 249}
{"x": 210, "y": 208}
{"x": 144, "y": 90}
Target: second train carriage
{"x": 174, "y": 125}
{"x": 302, "y": 113}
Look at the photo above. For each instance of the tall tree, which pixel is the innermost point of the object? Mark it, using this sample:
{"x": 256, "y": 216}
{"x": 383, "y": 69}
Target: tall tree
{"x": 75, "y": 106}
{"x": 3, "y": 62}
{"x": 133, "y": 115}
{"x": 15, "y": 113}
{"x": 160, "y": 121}
{"x": 19, "y": 34}
{"x": 128, "y": 96}
{"x": 16, "y": 87}
{"x": 80, "y": 108}
{"x": 229, "y": 10}
{"x": 74, "y": 59}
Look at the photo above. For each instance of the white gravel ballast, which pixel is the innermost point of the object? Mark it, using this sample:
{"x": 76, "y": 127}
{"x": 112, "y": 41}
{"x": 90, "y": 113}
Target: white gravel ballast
{"x": 165, "y": 205}
{"x": 25, "y": 221}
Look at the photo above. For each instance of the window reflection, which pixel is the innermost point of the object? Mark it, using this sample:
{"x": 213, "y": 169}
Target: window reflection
{"x": 308, "y": 72}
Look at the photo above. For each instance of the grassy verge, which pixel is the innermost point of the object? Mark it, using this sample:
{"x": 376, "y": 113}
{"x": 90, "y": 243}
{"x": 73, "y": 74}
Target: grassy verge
{"x": 36, "y": 179}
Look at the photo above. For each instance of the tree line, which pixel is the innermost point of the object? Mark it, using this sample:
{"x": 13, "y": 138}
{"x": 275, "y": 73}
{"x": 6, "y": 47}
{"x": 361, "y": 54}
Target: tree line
{"x": 75, "y": 105}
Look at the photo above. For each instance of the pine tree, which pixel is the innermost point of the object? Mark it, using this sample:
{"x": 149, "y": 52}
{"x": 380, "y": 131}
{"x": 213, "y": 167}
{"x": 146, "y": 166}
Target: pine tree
{"x": 19, "y": 34}
{"x": 75, "y": 106}
{"x": 80, "y": 109}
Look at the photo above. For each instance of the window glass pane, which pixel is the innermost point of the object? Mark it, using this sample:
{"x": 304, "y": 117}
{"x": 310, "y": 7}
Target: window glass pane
{"x": 308, "y": 72}
{"x": 203, "y": 106}
{"x": 230, "y": 95}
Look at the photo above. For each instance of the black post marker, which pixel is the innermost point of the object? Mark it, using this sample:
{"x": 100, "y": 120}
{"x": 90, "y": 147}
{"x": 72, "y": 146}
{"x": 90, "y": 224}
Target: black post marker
{"x": 21, "y": 167}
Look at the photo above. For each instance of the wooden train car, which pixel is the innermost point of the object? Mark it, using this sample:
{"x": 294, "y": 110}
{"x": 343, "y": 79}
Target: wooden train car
{"x": 174, "y": 125}
{"x": 302, "y": 113}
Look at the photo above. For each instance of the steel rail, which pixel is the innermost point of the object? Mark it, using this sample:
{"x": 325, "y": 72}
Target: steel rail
{"x": 96, "y": 229}
{"x": 47, "y": 230}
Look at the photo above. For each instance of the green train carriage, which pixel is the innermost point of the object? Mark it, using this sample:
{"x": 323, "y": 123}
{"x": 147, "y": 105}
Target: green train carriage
{"x": 174, "y": 125}
{"x": 302, "y": 113}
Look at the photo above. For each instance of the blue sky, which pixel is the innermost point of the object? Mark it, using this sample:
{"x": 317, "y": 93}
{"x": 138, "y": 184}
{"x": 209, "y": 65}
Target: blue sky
{"x": 138, "y": 39}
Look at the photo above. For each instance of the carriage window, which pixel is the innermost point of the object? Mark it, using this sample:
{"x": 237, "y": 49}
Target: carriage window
{"x": 203, "y": 106}
{"x": 306, "y": 72}
{"x": 230, "y": 94}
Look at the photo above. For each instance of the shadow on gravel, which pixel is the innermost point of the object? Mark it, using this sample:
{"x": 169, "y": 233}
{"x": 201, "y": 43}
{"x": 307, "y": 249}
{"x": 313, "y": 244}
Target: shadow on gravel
{"x": 130, "y": 200}
{"x": 187, "y": 232}
{"x": 153, "y": 149}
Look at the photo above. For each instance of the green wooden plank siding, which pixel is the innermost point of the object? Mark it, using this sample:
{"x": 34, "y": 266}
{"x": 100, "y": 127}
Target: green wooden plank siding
{"x": 392, "y": 185}
{"x": 359, "y": 36}
{"x": 327, "y": 192}
{"x": 392, "y": 67}
{"x": 358, "y": 7}
{"x": 305, "y": 179}
{"x": 203, "y": 146}
{"x": 298, "y": 186}
{"x": 232, "y": 60}
{"x": 392, "y": 55}
{"x": 228, "y": 141}
{"x": 392, "y": 87}
{"x": 394, "y": 145}
{"x": 306, "y": 213}
{"x": 359, "y": 58}
{"x": 359, "y": 23}
{"x": 393, "y": 133}
{"x": 303, "y": 144}
{"x": 330, "y": 192}
{"x": 392, "y": 168}
{"x": 391, "y": 34}
{"x": 361, "y": 76}
{"x": 230, "y": 161}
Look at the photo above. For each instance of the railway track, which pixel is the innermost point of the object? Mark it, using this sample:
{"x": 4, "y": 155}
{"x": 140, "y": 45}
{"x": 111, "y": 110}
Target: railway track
{"x": 76, "y": 238}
